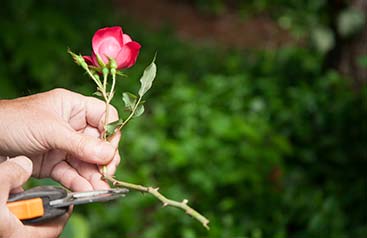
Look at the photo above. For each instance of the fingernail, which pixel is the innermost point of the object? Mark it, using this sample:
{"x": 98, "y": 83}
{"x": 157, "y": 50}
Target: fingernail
{"x": 23, "y": 162}
{"x": 104, "y": 152}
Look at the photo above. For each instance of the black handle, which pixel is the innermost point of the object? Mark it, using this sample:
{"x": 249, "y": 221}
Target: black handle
{"x": 47, "y": 194}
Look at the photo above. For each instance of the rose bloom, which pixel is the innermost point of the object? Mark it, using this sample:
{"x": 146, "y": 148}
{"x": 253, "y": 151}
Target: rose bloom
{"x": 110, "y": 42}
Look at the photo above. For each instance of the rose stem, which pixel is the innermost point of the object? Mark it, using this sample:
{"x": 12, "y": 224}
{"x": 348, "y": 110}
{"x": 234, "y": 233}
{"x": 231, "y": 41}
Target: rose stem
{"x": 105, "y": 72}
{"x": 107, "y": 97}
{"x": 131, "y": 114}
{"x": 154, "y": 191}
{"x": 166, "y": 202}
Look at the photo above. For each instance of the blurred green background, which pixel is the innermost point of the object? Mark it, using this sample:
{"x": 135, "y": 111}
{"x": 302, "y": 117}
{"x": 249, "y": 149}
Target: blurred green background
{"x": 266, "y": 139}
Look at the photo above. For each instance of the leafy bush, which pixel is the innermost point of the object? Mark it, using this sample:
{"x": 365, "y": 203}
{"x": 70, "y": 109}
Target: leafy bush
{"x": 265, "y": 144}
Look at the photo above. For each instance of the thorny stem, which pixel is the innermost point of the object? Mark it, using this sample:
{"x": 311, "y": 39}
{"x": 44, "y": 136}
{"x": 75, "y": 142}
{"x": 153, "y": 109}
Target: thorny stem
{"x": 106, "y": 98}
{"x": 94, "y": 79}
{"x": 166, "y": 202}
{"x": 105, "y": 75}
{"x": 154, "y": 191}
{"x": 131, "y": 114}
{"x": 112, "y": 91}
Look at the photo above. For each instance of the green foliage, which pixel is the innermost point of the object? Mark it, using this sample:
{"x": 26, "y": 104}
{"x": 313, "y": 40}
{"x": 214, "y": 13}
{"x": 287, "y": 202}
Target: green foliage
{"x": 265, "y": 144}
{"x": 310, "y": 19}
{"x": 351, "y": 21}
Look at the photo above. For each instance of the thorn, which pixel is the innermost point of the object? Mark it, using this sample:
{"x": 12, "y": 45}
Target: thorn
{"x": 156, "y": 189}
{"x": 206, "y": 226}
{"x": 165, "y": 204}
{"x": 185, "y": 201}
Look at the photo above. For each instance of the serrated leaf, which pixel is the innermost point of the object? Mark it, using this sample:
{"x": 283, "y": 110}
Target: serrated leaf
{"x": 147, "y": 78}
{"x": 129, "y": 100}
{"x": 111, "y": 127}
{"x": 139, "y": 110}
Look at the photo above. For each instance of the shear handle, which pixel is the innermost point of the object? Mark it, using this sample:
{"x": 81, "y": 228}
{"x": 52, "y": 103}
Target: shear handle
{"x": 47, "y": 194}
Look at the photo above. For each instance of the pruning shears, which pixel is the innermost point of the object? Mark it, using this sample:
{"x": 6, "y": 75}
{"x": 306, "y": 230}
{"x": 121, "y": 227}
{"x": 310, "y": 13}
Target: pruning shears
{"x": 44, "y": 203}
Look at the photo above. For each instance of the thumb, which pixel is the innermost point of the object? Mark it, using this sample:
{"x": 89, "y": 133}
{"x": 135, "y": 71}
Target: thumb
{"x": 14, "y": 173}
{"x": 84, "y": 147}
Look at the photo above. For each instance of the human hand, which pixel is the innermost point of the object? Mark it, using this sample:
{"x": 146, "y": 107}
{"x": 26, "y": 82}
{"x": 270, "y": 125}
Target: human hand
{"x": 13, "y": 173}
{"x": 59, "y": 131}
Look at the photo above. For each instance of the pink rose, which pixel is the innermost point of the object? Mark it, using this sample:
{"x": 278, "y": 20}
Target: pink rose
{"x": 110, "y": 42}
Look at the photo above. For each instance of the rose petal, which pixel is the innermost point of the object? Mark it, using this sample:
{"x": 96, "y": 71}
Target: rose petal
{"x": 108, "y": 49}
{"x": 94, "y": 59}
{"x": 107, "y": 33}
{"x": 126, "y": 39}
{"x": 128, "y": 55}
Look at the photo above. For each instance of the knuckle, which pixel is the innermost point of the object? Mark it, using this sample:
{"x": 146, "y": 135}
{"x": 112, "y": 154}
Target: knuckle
{"x": 59, "y": 91}
{"x": 15, "y": 171}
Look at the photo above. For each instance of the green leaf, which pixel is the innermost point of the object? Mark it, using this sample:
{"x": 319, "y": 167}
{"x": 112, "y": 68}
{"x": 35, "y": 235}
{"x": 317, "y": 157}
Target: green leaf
{"x": 121, "y": 73}
{"x": 98, "y": 94}
{"x": 139, "y": 110}
{"x": 147, "y": 79}
{"x": 111, "y": 127}
{"x": 129, "y": 100}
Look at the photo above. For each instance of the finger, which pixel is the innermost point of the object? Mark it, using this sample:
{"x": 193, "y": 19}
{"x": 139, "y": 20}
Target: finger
{"x": 94, "y": 132}
{"x": 14, "y": 173}
{"x": 95, "y": 112}
{"x": 17, "y": 190}
{"x": 82, "y": 146}
{"x": 70, "y": 178}
{"x": 91, "y": 131}
{"x": 91, "y": 173}
{"x": 112, "y": 166}
{"x": 115, "y": 139}
{"x": 3, "y": 158}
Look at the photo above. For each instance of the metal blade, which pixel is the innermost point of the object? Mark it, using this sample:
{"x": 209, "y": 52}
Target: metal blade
{"x": 89, "y": 197}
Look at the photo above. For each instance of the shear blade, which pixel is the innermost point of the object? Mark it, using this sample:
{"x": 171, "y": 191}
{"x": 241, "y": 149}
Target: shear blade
{"x": 89, "y": 197}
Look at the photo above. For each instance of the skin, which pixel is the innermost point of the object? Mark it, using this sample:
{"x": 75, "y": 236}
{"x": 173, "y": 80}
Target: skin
{"x": 53, "y": 134}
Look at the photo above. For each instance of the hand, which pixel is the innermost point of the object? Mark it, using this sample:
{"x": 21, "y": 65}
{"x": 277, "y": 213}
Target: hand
{"x": 59, "y": 131}
{"x": 15, "y": 172}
